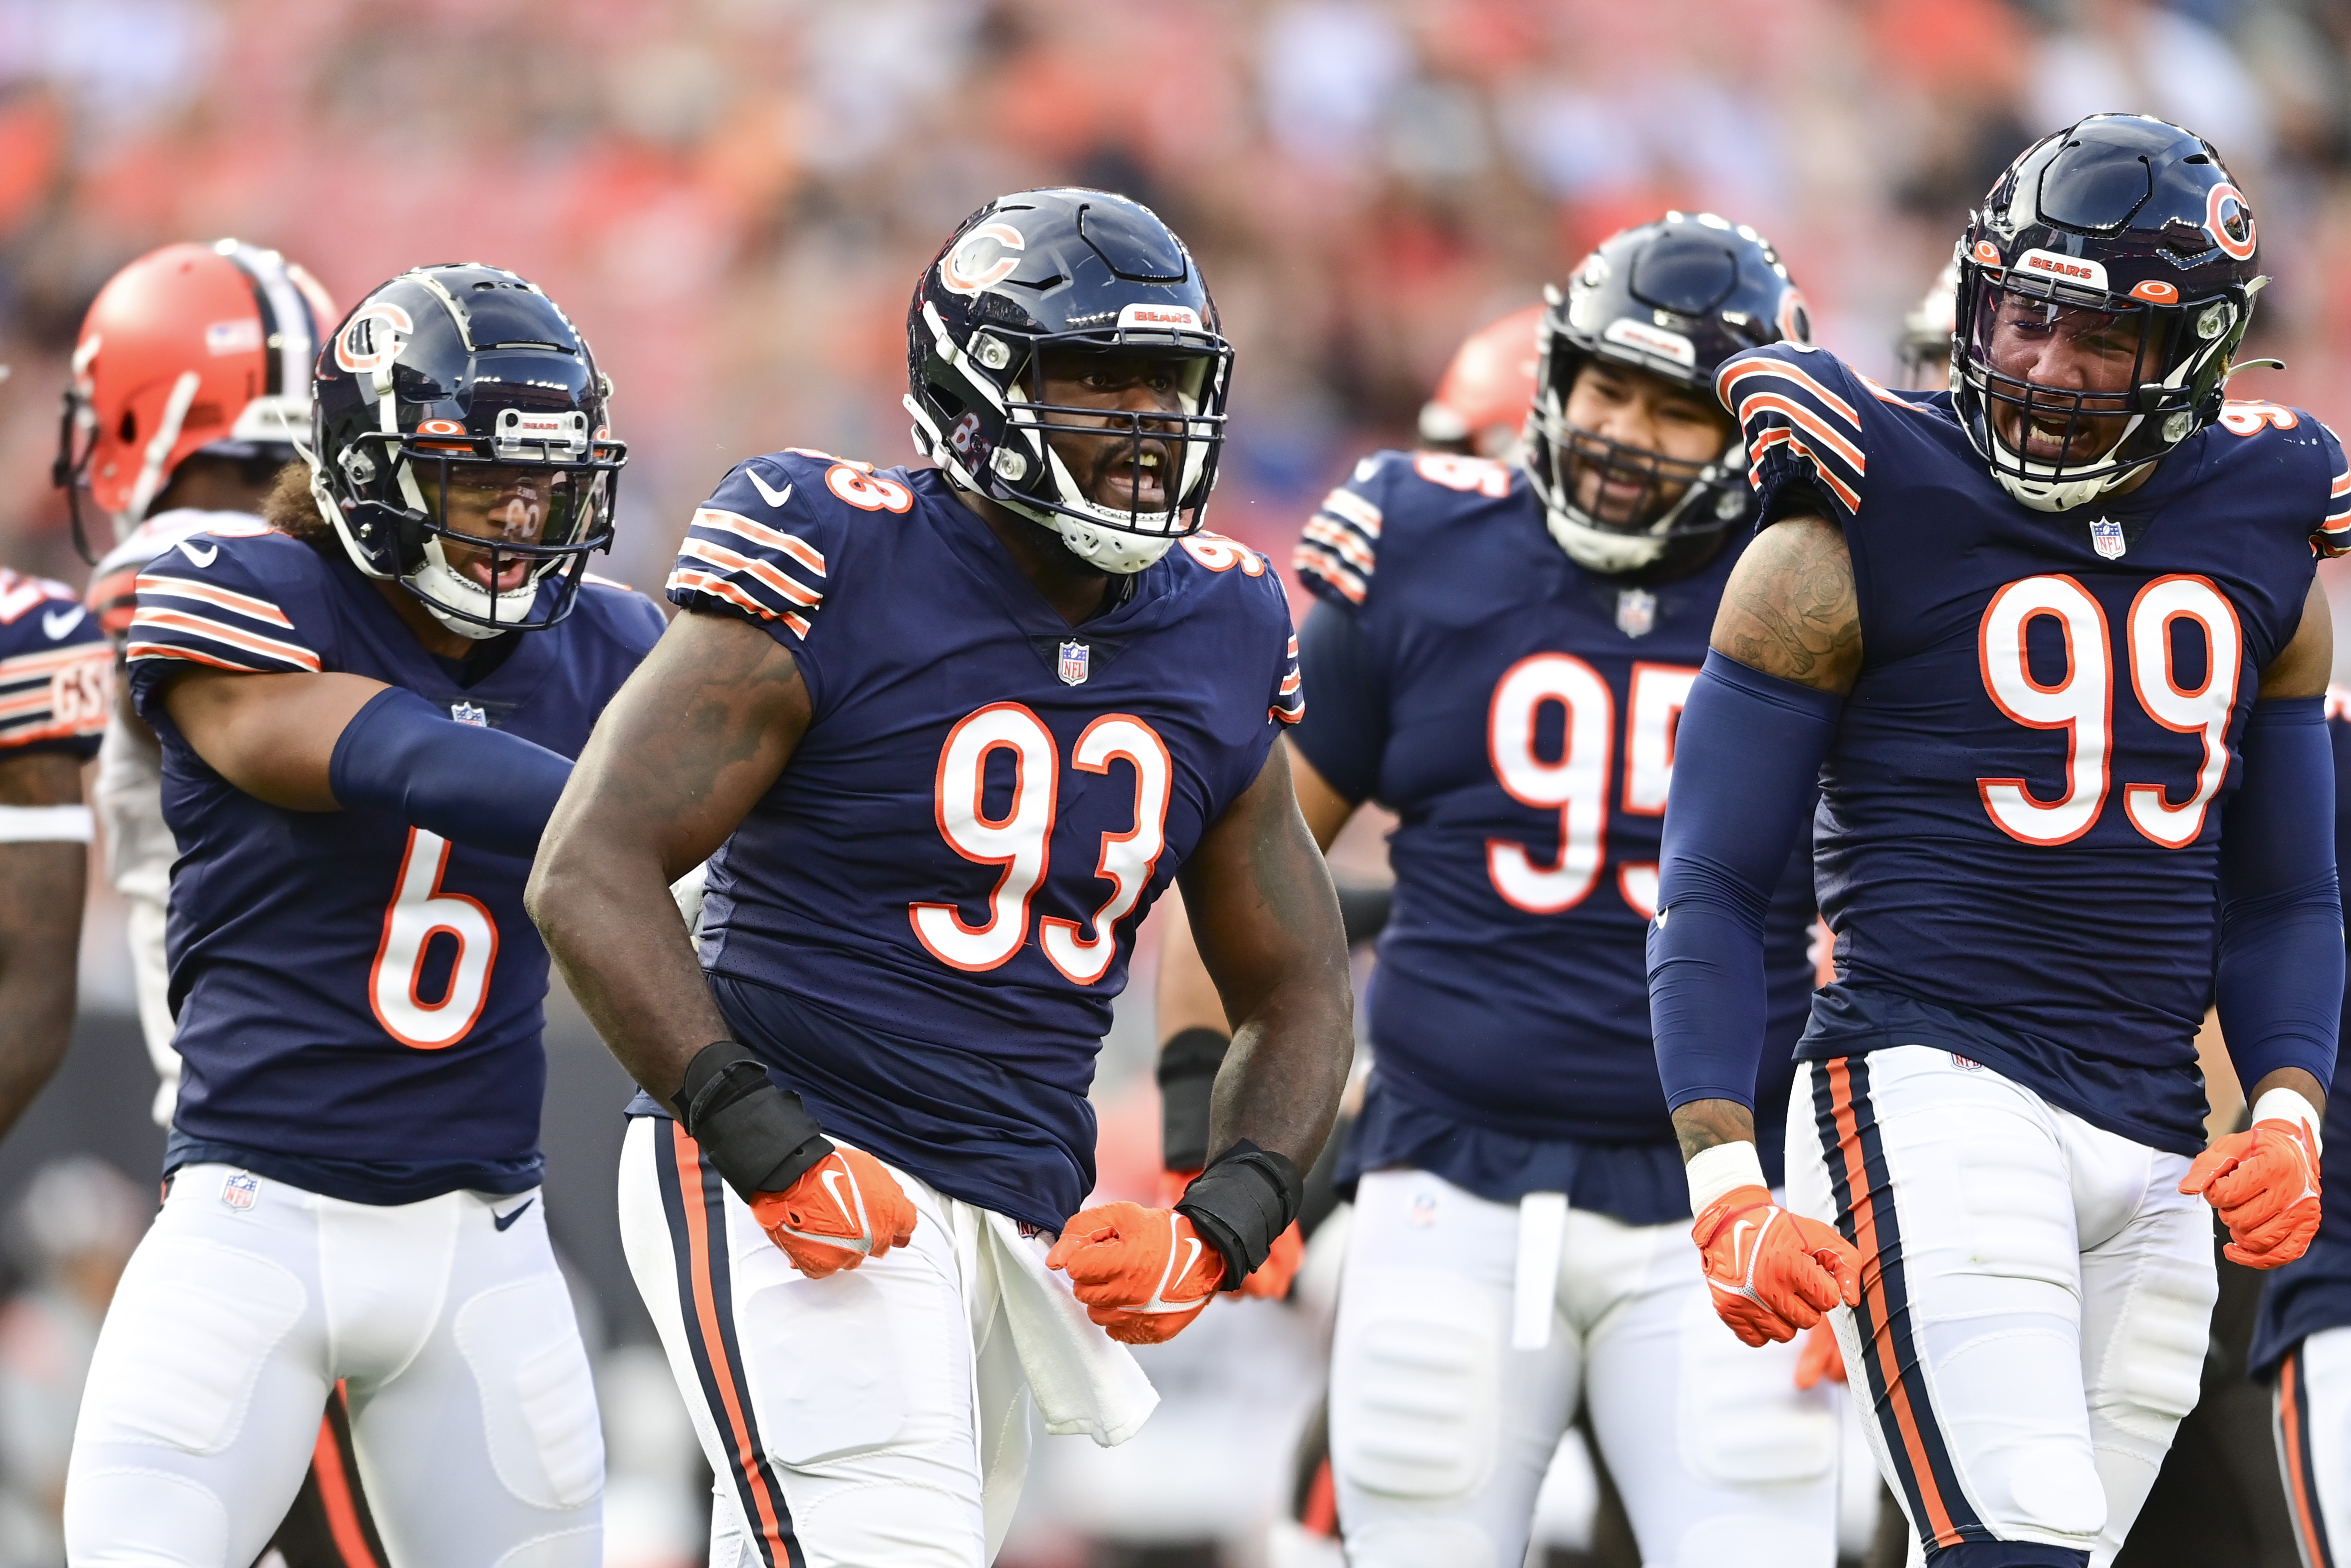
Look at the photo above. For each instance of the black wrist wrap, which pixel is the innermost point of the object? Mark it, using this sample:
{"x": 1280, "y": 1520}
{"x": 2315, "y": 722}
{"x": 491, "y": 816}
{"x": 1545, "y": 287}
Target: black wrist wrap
{"x": 758, "y": 1136}
{"x": 1187, "y": 1077}
{"x": 1246, "y": 1198}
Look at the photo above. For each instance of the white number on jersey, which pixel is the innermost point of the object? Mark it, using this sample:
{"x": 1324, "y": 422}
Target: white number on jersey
{"x": 2081, "y": 702}
{"x": 1021, "y": 840}
{"x": 1576, "y": 784}
{"x": 420, "y": 911}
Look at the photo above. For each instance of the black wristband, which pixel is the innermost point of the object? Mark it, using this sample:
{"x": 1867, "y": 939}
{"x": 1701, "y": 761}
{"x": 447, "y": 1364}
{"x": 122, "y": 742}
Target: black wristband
{"x": 759, "y": 1136}
{"x": 1246, "y": 1198}
{"x": 1188, "y": 1078}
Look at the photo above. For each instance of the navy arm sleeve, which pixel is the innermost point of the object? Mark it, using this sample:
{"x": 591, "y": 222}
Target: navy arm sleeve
{"x": 471, "y": 786}
{"x": 1746, "y": 761}
{"x": 2279, "y": 985}
{"x": 1345, "y": 729}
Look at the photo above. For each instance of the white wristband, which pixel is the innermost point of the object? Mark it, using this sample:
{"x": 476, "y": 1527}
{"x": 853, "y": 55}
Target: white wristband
{"x": 2286, "y": 1105}
{"x": 46, "y": 824}
{"x": 1724, "y": 1168}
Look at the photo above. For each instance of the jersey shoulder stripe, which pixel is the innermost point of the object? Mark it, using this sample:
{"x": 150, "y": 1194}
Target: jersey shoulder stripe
{"x": 218, "y": 606}
{"x": 1797, "y": 419}
{"x": 2332, "y": 535}
{"x": 1338, "y": 550}
{"x": 1290, "y": 695}
{"x": 766, "y": 543}
{"x": 57, "y": 671}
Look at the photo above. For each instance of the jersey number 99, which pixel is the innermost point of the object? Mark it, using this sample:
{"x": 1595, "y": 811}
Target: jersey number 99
{"x": 2081, "y": 702}
{"x": 1021, "y": 840}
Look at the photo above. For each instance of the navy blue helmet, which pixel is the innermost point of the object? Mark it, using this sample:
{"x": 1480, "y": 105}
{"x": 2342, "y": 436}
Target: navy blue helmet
{"x": 1675, "y": 297}
{"x": 460, "y": 446}
{"x": 2123, "y": 238}
{"x": 1060, "y": 272}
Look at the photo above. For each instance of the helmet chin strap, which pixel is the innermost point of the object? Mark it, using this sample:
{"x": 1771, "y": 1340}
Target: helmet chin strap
{"x": 437, "y": 585}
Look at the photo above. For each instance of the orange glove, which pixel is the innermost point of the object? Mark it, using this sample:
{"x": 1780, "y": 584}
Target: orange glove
{"x": 2264, "y": 1183}
{"x": 1773, "y": 1274}
{"x": 1273, "y": 1277}
{"x": 844, "y": 1209}
{"x": 1142, "y": 1273}
{"x": 1819, "y": 1357}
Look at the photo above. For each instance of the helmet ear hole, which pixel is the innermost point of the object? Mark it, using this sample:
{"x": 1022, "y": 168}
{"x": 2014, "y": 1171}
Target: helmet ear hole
{"x": 129, "y": 431}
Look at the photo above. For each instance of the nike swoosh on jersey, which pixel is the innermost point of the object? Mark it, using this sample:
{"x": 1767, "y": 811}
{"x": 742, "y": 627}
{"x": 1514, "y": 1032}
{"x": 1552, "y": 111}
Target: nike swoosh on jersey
{"x": 511, "y": 1215}
{"x": 188, "y": 548}
{"x": 768, "y": 492}
{"x": 58, "y": 622}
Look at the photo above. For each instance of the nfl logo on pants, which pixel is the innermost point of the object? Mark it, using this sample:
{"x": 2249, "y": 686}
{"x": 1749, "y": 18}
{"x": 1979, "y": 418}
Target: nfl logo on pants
{"x": 1074, "y": 659}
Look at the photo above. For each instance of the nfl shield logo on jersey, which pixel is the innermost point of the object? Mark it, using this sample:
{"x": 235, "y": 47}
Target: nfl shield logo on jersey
{"x": 1637, "y": 611}
{"x": 470, "y": 712}
{"x": 241, "y": 1188}
{"x": 2106, "y": 537}
{"x": 1074, "y": 659}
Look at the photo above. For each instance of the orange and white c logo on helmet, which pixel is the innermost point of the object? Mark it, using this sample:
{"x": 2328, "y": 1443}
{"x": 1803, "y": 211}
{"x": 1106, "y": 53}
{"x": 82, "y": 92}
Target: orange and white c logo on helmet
{"x": 1987, "y": 253}
{"x": 1795, "y": 317}
{"x": 374, "y": 337}
{"x": 2228, "y": 219}
{"x": 961, "y": 270}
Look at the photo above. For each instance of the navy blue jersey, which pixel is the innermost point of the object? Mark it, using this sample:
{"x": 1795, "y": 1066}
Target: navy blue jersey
{"x": 2019, "y": 831}
{"x": 1518, "y": 714}
{"x": 2313, "y": 1291}
{"x": 57, "y": 670}
{"x": 359, "y": 1000}
{"x": 985, "y": 803}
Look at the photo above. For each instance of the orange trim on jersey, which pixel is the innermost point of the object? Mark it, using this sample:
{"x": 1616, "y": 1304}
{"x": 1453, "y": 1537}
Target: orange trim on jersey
{"x": 1323, "y": 564}
{"x": 792, "y": 545}
{"x": 1348, "y": 506}
{"x": 1805, "y": 419}
{"x": 1320, "y": 1515}
{"x": 1873, "y": 1288}
{"x": 696, "y": 581}
{"x": 1732, "y": 374}
{"x": 760, "y": 571}
{"x": 24, "y": 667}
{"x": 212, "y": 631}
{"x": 138, "y": 651}
{"x": 220, "y": 597}
{"x": 687, "y": 1155}
{"x": 1346, "y": 541}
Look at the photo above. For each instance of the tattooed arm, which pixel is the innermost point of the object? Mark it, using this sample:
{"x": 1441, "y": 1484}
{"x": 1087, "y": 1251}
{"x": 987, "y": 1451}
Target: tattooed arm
{"x": 1789, "y": 610}
{"x": 684, "y": 751}
{"x": 1267, "y": 922}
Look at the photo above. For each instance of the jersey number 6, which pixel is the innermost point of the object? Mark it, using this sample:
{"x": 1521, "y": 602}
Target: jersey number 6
{"x": 2081, "y": 702}
{"x": 1021, "y": 840}
{"x": 420, "y": 912}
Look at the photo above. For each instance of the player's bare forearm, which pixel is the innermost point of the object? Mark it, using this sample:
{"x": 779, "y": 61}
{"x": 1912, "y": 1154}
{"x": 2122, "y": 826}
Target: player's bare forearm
{"x": 1788, "y": 608}
{"x": 271, "y": 736}
{"x": 1703, "y": 1123}
{"x": 41, "y": 887}
{"x": 1266, "y": 919}
{"x": 2301, "y": 1081}
{"x": 684, "y": 751}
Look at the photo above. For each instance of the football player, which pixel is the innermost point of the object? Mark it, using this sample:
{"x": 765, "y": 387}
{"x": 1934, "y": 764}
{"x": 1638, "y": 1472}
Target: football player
{"x": 955, "y": 729}
{"x": 2302, "y": 1337}
{"x": 366, "y": 714}
{"x": 55, "y": 677}
{"x": 191, "y": 384}
{"x": 2050, "y": 645}
{"x": 1500, "y": 656}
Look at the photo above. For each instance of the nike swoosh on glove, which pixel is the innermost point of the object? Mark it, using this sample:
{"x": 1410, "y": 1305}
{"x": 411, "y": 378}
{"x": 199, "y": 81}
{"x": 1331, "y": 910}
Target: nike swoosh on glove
{"x": 1820, "y": 1356}
{"x": 1142, "y": 1273}
{"x": 844, "y": 1209}
{"x": 1773, "y": 1274}
{"x": 1273, "y": 1277}
{"x": 2264, "y": 1183}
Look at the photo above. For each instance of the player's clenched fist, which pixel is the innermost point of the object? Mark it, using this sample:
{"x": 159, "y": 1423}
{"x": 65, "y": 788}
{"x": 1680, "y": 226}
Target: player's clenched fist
{"x": 1773, "y": 1274}
{"x": 1272, "y": 1278}
{"x": 2264, "y": 1182}
{"x": 1142, "y": 1273}
{"x": 845, "y": 1209}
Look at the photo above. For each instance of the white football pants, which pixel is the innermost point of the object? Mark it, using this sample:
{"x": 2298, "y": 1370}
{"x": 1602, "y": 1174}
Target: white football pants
{"x": 1441, "y": 1430}
{"x": 2313, "y": 1439}
{"x": 876, "y": 1416}
{"x": 473, "y": 1416}
{"x": 2036, "y": 1297}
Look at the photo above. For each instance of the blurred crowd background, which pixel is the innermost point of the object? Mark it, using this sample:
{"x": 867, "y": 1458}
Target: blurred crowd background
{"x": 732, "y": 198}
